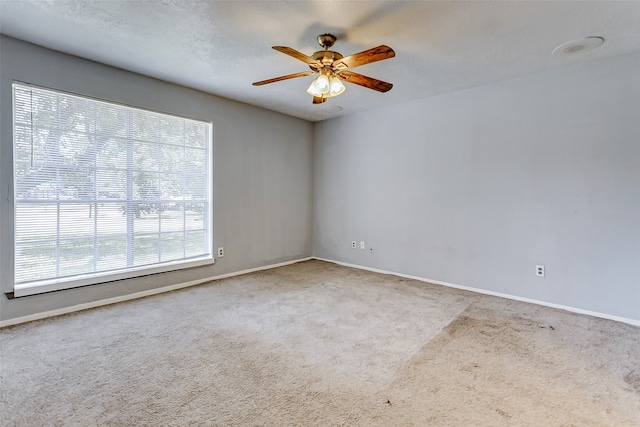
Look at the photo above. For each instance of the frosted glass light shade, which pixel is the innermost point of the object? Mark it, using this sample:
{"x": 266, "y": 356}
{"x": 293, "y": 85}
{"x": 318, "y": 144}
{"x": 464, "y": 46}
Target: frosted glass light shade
{"x": 336, "y": 86}
{"x": 320, "y": 86}
{"x": 313, "y": 90}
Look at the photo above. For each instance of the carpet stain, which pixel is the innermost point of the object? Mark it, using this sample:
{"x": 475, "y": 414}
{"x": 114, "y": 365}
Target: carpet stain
{"x": 633, "y": 379}
{"x": 503, "y": 413}
{"x": 460, "y": 323}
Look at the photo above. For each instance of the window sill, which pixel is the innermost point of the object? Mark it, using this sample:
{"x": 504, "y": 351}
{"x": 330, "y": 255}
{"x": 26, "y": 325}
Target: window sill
{"x": 42, "y": 287}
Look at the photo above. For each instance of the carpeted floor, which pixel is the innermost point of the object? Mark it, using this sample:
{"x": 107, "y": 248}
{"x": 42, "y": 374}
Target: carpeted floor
{"x": 316, "y": 344}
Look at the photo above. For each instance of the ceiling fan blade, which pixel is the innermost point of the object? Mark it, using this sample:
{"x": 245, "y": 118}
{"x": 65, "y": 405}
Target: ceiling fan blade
{"x": 368, "y": 56}
{"x": 288, "y": 76}
{"x": 298, "y": 55}
{"x": 319, "y": 99}
{"x": 368, "y": 82}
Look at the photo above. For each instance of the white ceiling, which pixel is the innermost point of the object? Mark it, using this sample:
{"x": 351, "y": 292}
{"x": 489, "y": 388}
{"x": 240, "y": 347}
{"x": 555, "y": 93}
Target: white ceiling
{"x": 221, "y": 47}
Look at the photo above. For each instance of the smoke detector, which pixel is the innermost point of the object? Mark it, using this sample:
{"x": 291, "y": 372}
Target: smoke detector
{"x": 578, "y": 46}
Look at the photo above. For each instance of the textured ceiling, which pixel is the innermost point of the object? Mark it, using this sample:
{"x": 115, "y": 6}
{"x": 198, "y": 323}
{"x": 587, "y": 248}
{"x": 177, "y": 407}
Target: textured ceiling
{"x": 221, "y": 47}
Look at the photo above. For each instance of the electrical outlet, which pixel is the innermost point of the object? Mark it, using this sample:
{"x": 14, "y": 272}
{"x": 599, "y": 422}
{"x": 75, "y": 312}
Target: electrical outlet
{"x": 361, "y": 244}
{"x": 220, "y": 252}
{"x": 353, "y": 244}
{"x": 540, "y": 270}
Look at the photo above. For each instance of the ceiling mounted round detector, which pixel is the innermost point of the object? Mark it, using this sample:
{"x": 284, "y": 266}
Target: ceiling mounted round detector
{"x": 578, "y": 46}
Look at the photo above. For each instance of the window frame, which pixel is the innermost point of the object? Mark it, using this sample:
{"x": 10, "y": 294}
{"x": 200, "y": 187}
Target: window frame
{"x": 81, "y": 280}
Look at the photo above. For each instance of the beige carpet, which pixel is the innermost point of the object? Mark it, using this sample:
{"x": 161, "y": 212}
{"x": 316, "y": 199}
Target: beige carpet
{"x": 315, "y": 344}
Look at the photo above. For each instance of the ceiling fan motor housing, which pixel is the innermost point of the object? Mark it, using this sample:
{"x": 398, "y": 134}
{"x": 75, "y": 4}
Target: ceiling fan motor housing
{"x": 326, "y": 57}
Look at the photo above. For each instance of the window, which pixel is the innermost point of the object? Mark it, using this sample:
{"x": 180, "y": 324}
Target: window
{"x": 104, "y": 191}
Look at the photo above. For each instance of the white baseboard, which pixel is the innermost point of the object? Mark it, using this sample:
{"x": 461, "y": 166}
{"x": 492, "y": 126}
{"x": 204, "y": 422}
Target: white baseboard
{"x": 99, "y": 303}
{"x": 634, "y": 322}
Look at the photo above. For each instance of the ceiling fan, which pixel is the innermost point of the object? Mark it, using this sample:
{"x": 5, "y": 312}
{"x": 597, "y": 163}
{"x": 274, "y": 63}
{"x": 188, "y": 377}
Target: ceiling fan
{"x": 334, "y": 68}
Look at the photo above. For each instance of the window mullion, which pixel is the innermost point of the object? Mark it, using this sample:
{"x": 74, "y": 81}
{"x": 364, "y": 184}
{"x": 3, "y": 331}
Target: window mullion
{"x": 182, "y": 168}
{"x": 94, "y": 158}
{"x": 129, "y": 203}
{"x": 56, "y": 155}
{"x": 158, "y": 188}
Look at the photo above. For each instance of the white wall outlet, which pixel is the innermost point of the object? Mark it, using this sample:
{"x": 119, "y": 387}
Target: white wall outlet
{"x": 361, "y": 244}
{"x": 220, "y": 252}
{"x": 540, "y": 270}
{"x": 353, "y": 244}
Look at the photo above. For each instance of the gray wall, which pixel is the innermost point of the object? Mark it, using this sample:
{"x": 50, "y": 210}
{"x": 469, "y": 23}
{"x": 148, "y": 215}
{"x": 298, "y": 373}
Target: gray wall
{"x": 262, "y": 171}
{"x": 472, "y": 188}
{"x": 476, "y": 187}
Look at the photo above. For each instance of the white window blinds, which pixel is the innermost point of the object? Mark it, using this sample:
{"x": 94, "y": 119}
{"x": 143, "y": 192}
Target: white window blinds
{"x": 105, "y": 191}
